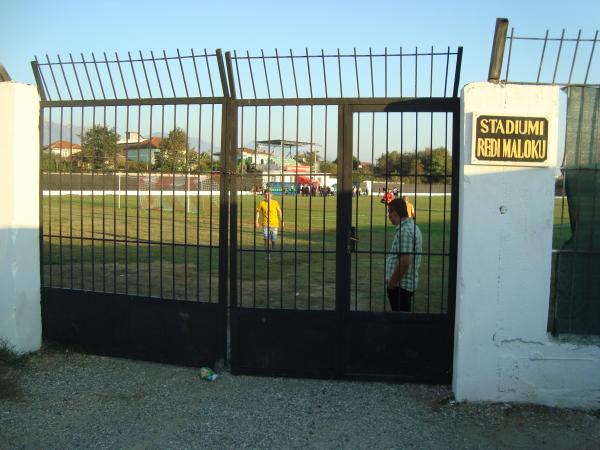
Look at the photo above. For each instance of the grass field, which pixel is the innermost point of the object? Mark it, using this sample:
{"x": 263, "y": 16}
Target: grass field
{"x": 140, "y": 248}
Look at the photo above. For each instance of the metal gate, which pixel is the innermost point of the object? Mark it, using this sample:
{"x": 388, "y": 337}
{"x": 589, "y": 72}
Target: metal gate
{"x": 134, "y": 215}
{"x": 314, "y": 304}
{"x": 150, "y": 240}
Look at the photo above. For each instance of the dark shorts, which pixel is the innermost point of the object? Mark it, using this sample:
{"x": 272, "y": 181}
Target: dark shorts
{"x": 400, "y": 299}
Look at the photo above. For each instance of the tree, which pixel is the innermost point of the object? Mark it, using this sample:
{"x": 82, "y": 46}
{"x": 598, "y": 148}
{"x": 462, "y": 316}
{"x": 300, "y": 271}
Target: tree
{"x": 437, "y": 165}
{"x": 175, "y": 154}
{"x": 397, "y": 163}
{"x": 99, "y": 147}
{"x": 310, "y": 158}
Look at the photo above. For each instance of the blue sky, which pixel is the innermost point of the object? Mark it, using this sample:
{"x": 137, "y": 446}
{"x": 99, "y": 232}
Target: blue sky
{"x": 36, "y": 27}
{"x": 31, "y": 28}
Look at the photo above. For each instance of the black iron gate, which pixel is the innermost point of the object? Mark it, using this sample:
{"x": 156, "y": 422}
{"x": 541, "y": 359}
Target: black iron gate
{"x": 134, "y": 209}
{"x": 148, "y": 237}
{"x": 314, "y": 304}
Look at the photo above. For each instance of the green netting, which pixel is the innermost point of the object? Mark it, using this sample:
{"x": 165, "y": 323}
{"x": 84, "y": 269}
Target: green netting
{"x": 578, "y": 262}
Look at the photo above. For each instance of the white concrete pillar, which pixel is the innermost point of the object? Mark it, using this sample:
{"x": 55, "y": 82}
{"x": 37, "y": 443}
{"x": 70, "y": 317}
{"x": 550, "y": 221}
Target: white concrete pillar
{"x": 502, "y": 349}
{"x": 20, "y": 317}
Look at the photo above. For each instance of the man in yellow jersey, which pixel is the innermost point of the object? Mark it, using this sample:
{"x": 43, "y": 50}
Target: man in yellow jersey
{"x": 272, "y": 219}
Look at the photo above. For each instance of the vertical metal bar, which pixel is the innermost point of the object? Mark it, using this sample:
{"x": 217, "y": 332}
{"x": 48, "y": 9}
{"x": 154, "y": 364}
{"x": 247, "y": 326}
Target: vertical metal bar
{"x": 431, "y": 74}
{"x": 266, "y": 74}
{"x": 254, "y": 247}
{"x": 385, "y": 74}
{"x": 53, "y": 78}
{"x": 401, "y": 71}
{"x": 340, "y": 72}
{"x": 237, "y": 70}
{"x": 161, "y": 215}
{"x": 142, "y": 61}
{"x": 62, "y": 69}
{"x": 198, "y": 247}
{"x": 99, "y": 77}
{"x": 110, "y": 75}
{"x": 137, "y": 87}
{"x": 196, "y": 71}
{"x": 457, "y": 72}
{"x": 251, "y": 73}
{"x": 60, "y": 209}
{"x": 222, "y": 74}
{"x": 50, "y": 158}
{"x": 93, "y": 239}
{"x": 324, "y": 73}
{"x": 169, "y": 72}
{"x": 42, "y": 217}
{"x": 537, "y": 80}
{"x": 416, "y": 94}
{"x": 325, "y": 199}
{"x": 159, "y": 88}
{"x": 562, "y": 36}
{"x": 447, "y": 69}
{"x": 117, "y": 184}
{"x": 296, "y": 210}
{"x": 87, "y": 74}
{"x": 497, "y": 55}
{"x": 456, "y": 164}
{"x": 121, "y": 74}
{"x": 173, "y": 203}
{"x": 512, "y": 32}
{"x": 210, "y": 81}
{"x": 574, "y": 56}
{"x": 294, "y": 73}
{"x": 151, "y": 156}
{"x": 309, "y": 74}
{"x": 444, "y": 211}
{"x": 81, "y": 202}
{"x": 232, "y": 148}
{"x": 185, "y": 198}
{"x": 344, "y": 199}
{"x": 39, "y": 79}
{"x": 371, "y": 69}
{"x": 279, "y": 73}
{"x": 187, "y": 94}
{"x": 587, "y": 72}
{"x": 356, "y": 72}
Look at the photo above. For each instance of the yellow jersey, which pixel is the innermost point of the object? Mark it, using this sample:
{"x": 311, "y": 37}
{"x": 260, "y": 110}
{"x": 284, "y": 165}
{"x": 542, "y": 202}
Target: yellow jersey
{"x": 270, "y": 218}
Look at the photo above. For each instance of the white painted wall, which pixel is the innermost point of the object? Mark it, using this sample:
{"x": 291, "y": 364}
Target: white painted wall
{"x": 20, "y": 317}
{"x": 502, "y": 349}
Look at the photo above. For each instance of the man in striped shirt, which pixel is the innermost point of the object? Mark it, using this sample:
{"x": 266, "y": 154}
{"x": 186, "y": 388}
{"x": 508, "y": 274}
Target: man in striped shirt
{"x": 402, "y": 264}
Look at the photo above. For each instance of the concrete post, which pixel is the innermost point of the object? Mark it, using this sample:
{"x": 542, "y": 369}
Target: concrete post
{"x": 502, "y": 349}
{"x": 20, "y": 317}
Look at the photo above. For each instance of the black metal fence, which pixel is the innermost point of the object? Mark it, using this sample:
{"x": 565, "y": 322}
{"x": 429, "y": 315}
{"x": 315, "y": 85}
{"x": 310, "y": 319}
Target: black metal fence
{"x": 151, "y": 182}
{"x": 570, "y": 61}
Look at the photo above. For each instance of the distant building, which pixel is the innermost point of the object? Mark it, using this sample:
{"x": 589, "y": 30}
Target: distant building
{"x": 131, "y": 137}
{"x": 65, "y": 149}
{"x": 144, "y": 151}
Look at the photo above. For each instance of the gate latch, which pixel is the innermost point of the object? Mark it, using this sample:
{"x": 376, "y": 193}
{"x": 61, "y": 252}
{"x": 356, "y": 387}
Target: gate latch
{"x": 352, "y": 240}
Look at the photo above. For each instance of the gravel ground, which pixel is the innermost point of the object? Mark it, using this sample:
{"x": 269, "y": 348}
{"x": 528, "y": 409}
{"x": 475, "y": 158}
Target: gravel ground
{"x": 60, "y": 399}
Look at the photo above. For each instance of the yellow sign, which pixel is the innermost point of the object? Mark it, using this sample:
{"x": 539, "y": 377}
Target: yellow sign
{"x": 510, "y": 140}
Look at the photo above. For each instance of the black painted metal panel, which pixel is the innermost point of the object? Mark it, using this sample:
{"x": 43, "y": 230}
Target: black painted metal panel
{"x": 176, "y": 332}
{"x": 398, "y": 346}
{"x": 283, "y": 343}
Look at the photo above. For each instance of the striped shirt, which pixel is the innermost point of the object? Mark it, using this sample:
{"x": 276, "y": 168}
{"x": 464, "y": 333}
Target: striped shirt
{"x": 408, "y": 239}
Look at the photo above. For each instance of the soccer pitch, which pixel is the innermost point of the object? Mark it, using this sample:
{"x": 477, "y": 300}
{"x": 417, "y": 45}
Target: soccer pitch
{"x": 169, "y": 247}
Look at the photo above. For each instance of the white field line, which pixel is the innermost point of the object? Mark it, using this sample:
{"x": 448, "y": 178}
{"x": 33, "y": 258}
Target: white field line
{"x": 167, "y": 192}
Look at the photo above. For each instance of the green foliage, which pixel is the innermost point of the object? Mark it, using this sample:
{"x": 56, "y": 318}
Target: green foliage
{"x": 329, "y": 167}
{"x": 99, "y": 147}
{"x": 54, "y": 163}
{"x": 437, "y": 165}
{"x": 400, "y": 164}
{"x": 175, "y": 154}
